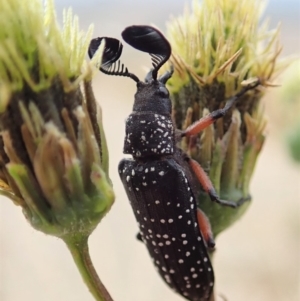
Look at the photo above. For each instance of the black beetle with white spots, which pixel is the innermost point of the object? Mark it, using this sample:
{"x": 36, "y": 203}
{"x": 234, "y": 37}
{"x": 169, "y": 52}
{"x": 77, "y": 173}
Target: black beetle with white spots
{"x": 160, "y": 178}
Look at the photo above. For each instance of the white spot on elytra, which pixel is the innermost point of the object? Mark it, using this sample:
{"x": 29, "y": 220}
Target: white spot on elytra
{"x": 157, "y": 202}
{"x": 180, "y": 217}
{"x": 162, "y": 221}
{"x": 166, "y": 256}
{"x": 205, "y": 259}
{"x": 132, "y": 172}
{"x": 167, "y": 277}
{"x": 127, "y": 178}
{"x": 195, "y": 275}
{"x": 161, "y": 173}
{"x": 166, "y": 236}
{"x": 170, "y": 221}
{"x": 187, "y": 254}
{"x": 185, "y": 242}
{"x": 180, "y": 261}
{"x": 168, "y": 242}
{"x": 183, "y": 235}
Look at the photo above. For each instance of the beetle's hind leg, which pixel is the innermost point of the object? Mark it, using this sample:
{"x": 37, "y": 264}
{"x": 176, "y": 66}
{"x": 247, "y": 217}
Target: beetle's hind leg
{"x": 207, "y": 185}
{"x": 205, "y": 228}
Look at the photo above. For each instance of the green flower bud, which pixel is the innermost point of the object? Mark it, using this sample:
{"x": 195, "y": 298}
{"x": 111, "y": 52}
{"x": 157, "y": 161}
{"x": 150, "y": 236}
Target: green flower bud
{"x": 53, "y": 154}
{"x": 289, "y": 103}
{"x": 216, "y": 47}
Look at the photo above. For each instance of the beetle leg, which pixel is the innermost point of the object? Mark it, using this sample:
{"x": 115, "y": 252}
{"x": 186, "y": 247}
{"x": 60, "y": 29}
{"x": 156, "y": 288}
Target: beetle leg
{"x": 139, "y": 237}
{"x": 208, "y": 187}
{"x": 206, "y": 121}
{"x": 205, "y": 229}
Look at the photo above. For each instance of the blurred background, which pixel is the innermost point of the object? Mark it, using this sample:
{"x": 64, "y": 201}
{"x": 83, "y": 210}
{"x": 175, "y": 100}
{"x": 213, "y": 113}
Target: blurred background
{"x": 256, "y": 259}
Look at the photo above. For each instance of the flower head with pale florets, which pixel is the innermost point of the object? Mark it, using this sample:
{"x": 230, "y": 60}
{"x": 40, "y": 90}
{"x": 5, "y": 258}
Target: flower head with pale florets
{"x": 53, "y": 155}
{"x": 216, "y": 46}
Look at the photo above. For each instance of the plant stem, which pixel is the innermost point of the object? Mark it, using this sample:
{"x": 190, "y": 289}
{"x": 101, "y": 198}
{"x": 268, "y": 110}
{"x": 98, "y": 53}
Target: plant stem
{"x": 80, "y": 252}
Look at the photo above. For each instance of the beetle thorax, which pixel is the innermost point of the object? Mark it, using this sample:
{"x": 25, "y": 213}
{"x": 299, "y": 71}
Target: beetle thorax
{"x": 149, "y": 129}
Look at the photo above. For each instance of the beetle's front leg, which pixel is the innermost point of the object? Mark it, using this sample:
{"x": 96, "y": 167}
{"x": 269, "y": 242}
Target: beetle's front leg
{"x": 206, "y": 121}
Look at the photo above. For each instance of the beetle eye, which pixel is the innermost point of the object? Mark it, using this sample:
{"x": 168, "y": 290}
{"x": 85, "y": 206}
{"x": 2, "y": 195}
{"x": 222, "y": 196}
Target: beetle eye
{"x": 163, "y": 91}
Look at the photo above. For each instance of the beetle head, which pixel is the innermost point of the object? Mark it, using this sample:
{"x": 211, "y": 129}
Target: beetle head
{"x": 146, "y": 39}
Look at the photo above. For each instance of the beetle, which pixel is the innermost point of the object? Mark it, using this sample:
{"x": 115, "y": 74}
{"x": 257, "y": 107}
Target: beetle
{"x": 160, "y": 179}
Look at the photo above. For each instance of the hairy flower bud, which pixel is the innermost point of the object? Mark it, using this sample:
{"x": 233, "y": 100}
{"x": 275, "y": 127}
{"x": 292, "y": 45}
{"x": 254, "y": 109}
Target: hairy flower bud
{"x": 216, "y": 47}
{"x": 53, "y": 154}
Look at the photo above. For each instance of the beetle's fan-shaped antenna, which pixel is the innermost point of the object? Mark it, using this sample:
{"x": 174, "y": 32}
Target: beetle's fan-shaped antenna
{"x": 112, "y": 52}
{"x": 148, "y": 39}
{"x": 110, "y": 59}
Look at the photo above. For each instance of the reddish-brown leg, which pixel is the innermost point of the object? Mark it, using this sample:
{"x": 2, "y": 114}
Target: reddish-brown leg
{"x": 205, "y": 229}
{"x": 208, "y": 187}
{"x": 204, "y": 122}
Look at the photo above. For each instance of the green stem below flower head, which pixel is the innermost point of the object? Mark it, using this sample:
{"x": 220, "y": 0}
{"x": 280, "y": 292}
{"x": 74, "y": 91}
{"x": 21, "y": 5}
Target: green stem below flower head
{"x": 80, "y": 252}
